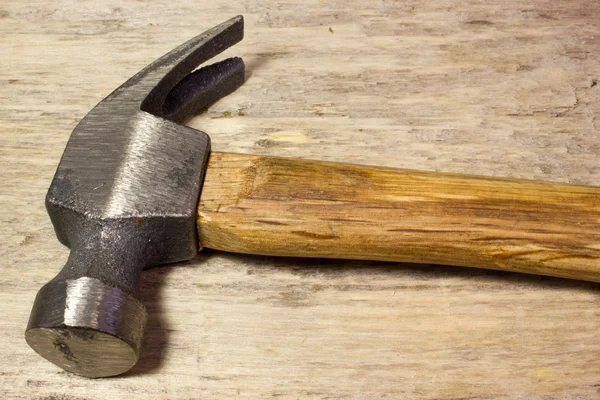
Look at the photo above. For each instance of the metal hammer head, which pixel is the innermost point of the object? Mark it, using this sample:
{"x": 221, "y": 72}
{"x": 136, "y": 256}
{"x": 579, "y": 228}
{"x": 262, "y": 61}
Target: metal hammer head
{"x": 124, "y": 197}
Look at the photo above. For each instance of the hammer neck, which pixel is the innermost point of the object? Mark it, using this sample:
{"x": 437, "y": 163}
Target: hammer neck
{"x": 111, "y": 251}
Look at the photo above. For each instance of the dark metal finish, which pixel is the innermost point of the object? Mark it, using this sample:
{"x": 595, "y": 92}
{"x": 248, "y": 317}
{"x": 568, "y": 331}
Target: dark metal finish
{"x": 124, "y": 197}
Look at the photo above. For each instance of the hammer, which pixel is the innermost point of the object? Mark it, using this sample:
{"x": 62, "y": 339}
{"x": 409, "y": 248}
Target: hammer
{"x": 136, "y": 188}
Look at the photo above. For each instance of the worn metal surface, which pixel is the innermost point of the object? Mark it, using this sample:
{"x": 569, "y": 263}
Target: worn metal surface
{"x": 103, "y": 327}
{"x": 124, "y": 198}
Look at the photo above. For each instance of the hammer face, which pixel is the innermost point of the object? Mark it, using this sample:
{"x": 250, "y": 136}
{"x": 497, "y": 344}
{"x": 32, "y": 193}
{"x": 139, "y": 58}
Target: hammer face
{"x": 87, "y": 327}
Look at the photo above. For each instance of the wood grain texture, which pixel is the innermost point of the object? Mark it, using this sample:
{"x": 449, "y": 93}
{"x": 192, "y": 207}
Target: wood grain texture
{"x": 501, "y": 88}
{"x": 304, "y": 208}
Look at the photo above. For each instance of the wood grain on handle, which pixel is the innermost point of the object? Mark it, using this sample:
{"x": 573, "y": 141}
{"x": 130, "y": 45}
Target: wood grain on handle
{"x": 306, "y": 208}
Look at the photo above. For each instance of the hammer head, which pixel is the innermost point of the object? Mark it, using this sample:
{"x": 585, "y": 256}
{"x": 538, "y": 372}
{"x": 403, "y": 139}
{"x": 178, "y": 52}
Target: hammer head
{"x": 124, "y": 197}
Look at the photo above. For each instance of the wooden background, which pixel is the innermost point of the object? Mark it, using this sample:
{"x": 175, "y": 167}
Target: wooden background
{"x": 505, "y": 88}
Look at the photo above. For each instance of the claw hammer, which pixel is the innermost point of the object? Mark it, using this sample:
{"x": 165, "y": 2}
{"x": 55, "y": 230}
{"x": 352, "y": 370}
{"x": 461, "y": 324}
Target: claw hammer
{"x": 136, "y": 188}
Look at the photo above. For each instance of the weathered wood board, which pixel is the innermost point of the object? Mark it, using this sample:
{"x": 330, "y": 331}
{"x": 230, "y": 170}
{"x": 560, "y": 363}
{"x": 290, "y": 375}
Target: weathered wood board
{"x": 502, "y": 88}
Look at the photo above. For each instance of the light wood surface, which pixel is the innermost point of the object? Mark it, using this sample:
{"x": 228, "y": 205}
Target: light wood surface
{"x": 278, "y": 206}
{"x": 500, "y": 88}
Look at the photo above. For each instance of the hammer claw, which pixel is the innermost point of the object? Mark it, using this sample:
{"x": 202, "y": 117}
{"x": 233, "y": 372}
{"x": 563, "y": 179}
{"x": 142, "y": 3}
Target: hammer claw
{"x": 203, "y": 87}
{"x": 165, "y": 73}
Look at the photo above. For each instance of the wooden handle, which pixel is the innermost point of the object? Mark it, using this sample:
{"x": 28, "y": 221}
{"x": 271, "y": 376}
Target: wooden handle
{"x": 292, "y": 207}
